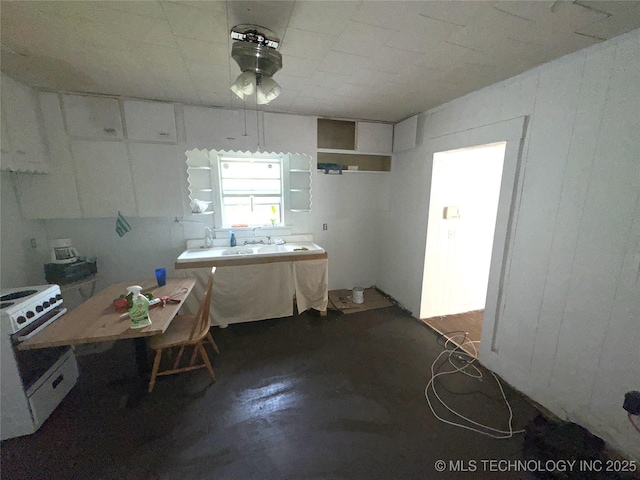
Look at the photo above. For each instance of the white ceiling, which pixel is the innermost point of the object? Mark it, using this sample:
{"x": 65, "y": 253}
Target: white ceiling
{"x": 376, "y": 60}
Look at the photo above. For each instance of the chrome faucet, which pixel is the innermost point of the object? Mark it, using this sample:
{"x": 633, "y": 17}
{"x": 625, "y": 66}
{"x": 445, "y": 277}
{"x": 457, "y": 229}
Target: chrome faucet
{"x": 208, "y": 238}
{"x": 253, "y": 239}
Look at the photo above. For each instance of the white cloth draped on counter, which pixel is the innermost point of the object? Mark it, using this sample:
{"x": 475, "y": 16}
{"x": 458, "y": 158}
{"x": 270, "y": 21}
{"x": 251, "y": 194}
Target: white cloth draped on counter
{"x": 257, "y": 292}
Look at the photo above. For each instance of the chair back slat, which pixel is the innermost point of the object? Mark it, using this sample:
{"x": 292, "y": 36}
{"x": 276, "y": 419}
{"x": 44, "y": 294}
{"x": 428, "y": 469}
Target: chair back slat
{"x": 202, "y": 322}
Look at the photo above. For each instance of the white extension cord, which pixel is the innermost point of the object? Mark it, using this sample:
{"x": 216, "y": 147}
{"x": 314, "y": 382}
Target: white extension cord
{"x": 457, "y": 351}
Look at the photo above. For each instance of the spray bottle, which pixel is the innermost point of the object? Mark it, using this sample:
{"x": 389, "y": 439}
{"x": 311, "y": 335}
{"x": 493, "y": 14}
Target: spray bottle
{"x": 139, "y": 311}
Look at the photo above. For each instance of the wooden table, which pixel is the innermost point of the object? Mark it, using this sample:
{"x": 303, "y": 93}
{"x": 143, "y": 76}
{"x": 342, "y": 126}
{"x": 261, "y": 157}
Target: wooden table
{"x": 96, "y": 320}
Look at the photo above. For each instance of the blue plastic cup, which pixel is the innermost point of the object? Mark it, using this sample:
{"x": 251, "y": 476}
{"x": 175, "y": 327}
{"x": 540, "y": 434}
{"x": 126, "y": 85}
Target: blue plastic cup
{"x": 161, "y": 276}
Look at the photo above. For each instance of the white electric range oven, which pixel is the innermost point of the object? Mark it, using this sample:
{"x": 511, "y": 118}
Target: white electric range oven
{"x": 33, "y": 382}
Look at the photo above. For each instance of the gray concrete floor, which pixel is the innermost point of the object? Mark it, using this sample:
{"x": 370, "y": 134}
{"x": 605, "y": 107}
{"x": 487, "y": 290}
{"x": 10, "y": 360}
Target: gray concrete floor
{"x": 304, "y": 397}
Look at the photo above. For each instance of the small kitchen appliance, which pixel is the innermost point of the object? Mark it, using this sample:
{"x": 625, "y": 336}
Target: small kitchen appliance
{"x": 62, "y": 251}
{"x": 70, "y": 272}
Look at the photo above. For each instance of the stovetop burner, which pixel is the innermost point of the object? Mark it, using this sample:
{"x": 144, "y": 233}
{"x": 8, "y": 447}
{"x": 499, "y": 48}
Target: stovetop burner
{"x": 6, "y": 304}
{"x": 17, "y": 295}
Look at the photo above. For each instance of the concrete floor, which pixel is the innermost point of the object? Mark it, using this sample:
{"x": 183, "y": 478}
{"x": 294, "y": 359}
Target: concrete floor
{"x": 304, "y": 397}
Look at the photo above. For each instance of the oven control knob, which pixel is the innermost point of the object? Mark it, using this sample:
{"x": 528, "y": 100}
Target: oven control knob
{"x": 30, "y": 314}
{"x": 46, "y": 304}
{"x": 59, "y": 297}
{"x": 52, "y": 300}
{"x": 21, "y": 319}
{"x": 39, "y": 308}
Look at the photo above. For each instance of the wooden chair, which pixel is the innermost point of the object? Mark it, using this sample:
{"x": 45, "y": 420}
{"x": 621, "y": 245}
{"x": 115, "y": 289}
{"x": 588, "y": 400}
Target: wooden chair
{"x": 186, "y": 331}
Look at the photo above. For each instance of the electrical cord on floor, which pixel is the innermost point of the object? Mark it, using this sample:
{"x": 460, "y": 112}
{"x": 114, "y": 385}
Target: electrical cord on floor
{"x": 460, "y": 354}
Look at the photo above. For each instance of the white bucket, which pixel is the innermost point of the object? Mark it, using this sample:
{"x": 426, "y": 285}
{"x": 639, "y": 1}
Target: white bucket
{"x": 357, "y": 295}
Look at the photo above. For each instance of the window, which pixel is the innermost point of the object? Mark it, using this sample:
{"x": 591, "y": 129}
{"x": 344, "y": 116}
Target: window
{"x": 250, "y": 189}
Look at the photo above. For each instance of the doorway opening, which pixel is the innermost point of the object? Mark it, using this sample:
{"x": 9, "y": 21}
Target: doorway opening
{"x": 465, "y": 190}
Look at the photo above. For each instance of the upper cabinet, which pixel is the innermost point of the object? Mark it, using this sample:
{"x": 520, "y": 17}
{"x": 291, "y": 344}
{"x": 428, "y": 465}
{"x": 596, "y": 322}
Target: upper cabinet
{"x": 289, "y": 133}
{"x": 93, "y": 117}
{"x": 221, "y": 129}
{"x": 23, "y": 147}
{"x": 374, "y": 138}
{"x": 336, "y": 134}
{"x": 355, "y": 146}
{"x": 54, "y": 195}
{"x": 404, "y": 134}
{"x": 357, "y": 137}
{"x": 150, "y": 121}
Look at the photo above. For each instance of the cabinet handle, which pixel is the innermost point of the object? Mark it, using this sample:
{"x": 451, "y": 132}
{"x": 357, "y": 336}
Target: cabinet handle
{"x": 110, "y": 130}
{"x": 57, "y": 381}
{"x": 164, "y": 134}
{"x": 21, "y": 152}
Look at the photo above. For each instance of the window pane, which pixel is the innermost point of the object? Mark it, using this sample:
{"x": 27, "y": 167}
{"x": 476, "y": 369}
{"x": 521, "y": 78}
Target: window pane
{"x": 250, "y": 170}
{"x": 251, "y": 190}
{"x": 246, "y": 186}
{"x": 237, "y": 210}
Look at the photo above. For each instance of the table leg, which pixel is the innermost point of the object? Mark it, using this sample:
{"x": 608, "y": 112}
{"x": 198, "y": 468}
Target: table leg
{"x": 142, "y": 359}
{"x": 138, "y": 385}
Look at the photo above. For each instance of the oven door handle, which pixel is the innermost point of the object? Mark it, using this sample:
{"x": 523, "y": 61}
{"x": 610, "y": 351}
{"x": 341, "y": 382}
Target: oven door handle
{"x": 41, "y": 327}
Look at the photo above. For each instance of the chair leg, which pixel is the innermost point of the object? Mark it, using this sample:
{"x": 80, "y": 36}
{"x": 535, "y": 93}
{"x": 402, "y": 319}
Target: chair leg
{"x": 213, "y": 344}
{"x": 193, "y": 355}
{"x": 154, "y": 372}
{"x": 177, "y": 361}
{"x": 205, "y": 358}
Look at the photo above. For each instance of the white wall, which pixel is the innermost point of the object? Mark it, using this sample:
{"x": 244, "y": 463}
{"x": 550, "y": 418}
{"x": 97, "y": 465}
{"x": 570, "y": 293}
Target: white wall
{"x": 458, "y": 251}
{"x": 349, "y": 204}
{"x": 352, "y": 205}
{"x": 565, "y": 331}
{"x": 21, "y": 264}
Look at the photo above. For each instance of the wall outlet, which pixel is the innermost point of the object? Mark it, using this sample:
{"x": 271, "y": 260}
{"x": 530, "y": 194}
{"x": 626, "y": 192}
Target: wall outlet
{"x": 324, "y": 226}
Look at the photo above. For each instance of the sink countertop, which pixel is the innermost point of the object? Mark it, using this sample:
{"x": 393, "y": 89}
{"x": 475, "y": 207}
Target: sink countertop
{"x": 249, "y": 255}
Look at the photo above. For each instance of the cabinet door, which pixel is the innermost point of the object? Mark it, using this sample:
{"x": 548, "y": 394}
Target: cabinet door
{"x": 404, "y": 134}
{"x": 93, "y": 117}
{"x": 374, "y": 137}
{"x": 289, "y": 133}
{"x": 48, "y": 196}
{"x": 55, "y": 134}
{"x": 21, "y": 112}
{"x": 103, "y": 177}
{"x": 156, "y": 179}
{"x": 151, "y": 121}
{"x": 220, "y": 129}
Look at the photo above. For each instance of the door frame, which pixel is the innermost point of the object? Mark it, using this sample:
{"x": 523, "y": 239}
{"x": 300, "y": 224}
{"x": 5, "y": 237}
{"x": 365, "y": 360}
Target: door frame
{"x": 513, "y": 132}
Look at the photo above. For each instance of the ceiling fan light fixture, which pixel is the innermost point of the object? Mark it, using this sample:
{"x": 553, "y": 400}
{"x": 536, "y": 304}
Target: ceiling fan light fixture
{"x": 267, "y": 90}
{"x": 245, "y": 84}
{"x": 255, "y": 51}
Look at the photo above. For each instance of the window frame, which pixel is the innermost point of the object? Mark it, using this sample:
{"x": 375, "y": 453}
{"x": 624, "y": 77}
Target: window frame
{"x": 216, "y": 160}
